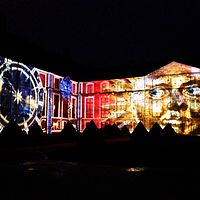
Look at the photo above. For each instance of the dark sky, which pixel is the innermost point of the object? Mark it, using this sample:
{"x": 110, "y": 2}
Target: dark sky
{"x": 101, "y": 39}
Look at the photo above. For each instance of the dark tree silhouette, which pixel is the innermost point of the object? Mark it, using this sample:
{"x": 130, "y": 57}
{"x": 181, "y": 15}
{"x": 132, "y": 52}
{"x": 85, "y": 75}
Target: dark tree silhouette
{"x": 69, "y": 132}
{"x": 35, "y": 131}
{"x": 125, "y": 130}
{"x": 12, "y": 130}
{"x": 12, "y": 135}
{"x": 168, "y": 131}
{"x": 110, "y": 131}
{"x": 140, "y": 131}
{"x": 115, "y": 130}
{"x": 91, "y": 134}
{"x": 105, "y": 131}
{"x": 155, "y": 131}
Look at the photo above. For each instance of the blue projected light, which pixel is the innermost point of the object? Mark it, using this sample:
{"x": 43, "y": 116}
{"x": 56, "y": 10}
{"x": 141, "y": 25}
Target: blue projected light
{"x": 66, "y": 87}
{"x": 49, "y": 106}
{"x": 21, "y": 94}
{"x": 1, "y": 60}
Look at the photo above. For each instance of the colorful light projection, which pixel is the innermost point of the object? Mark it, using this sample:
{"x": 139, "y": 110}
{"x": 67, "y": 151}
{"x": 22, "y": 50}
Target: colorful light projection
{"x": 66, "y": 87}
{"x": 21, "y": 94}
{"x": 168, "y": 95}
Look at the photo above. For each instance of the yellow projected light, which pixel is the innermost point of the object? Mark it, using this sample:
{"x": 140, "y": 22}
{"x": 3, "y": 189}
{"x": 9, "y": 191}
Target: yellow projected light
{"x": 168, "y": 95}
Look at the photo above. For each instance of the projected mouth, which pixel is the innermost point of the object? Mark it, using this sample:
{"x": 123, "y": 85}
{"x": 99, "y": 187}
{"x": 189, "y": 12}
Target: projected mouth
{"x": 177, "y": 121}
{"x": 181, "y": 125}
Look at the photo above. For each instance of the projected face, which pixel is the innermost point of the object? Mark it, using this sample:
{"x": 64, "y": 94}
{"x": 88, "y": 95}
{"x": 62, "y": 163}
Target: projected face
{"x": 171, "y": 95}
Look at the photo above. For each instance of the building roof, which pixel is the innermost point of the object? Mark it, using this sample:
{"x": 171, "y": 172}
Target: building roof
{"x": 174, "y": 68}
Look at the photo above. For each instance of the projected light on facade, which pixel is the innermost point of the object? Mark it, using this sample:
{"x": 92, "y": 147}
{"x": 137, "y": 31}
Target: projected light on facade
{"x": 170, "y": 94}
{"x": 21, "y": 94}
{"x": 66, "y": 88}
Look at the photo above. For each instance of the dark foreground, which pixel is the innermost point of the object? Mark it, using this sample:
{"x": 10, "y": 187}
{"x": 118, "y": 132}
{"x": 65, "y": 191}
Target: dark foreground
{"x": 118, "y": 169}
{"x": 64, "y": 180}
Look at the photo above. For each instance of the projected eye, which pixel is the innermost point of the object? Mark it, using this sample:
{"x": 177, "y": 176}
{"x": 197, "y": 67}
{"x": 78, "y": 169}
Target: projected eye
{"x": 192, "y": 91}
{"x": 157, "y": 93}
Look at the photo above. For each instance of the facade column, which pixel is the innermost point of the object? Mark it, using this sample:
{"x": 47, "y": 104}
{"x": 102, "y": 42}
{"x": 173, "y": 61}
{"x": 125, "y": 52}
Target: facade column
{"x": 49, "y": 102}
{"x": 79, "y": 107}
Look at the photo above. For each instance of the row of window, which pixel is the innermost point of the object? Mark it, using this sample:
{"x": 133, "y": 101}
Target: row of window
{"x": 61, "y": 107}
{"x": 90, "y": 87}
{"x": 56, "y": 82}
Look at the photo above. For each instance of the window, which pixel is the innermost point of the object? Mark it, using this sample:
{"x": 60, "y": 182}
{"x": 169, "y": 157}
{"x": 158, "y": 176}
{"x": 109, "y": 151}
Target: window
{"x": 44, "y": 108}
{"x": 73, "y": 108}
{"x": 90, "y": 88}
{"x": 104, "y": 106}
{"x": 119, "y": 86}
{"x": 43, "y": 79}
{"x": 57, "y": 83}
{"x": 120, "y": 106}
{"x": 55, "y": 105}
{"x": 89, "y": 107}
{"x": 104, "y": 86}
{"x": 65, "y": 108}
{"x": 74, "y": 88}
{"x": 80, "y": 87}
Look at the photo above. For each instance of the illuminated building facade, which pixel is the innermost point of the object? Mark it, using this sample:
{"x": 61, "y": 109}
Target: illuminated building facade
{"x": 170, "y": 94}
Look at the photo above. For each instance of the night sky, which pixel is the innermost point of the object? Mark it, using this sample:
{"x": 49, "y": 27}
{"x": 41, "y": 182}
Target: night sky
{"x": 92, "y": 39}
